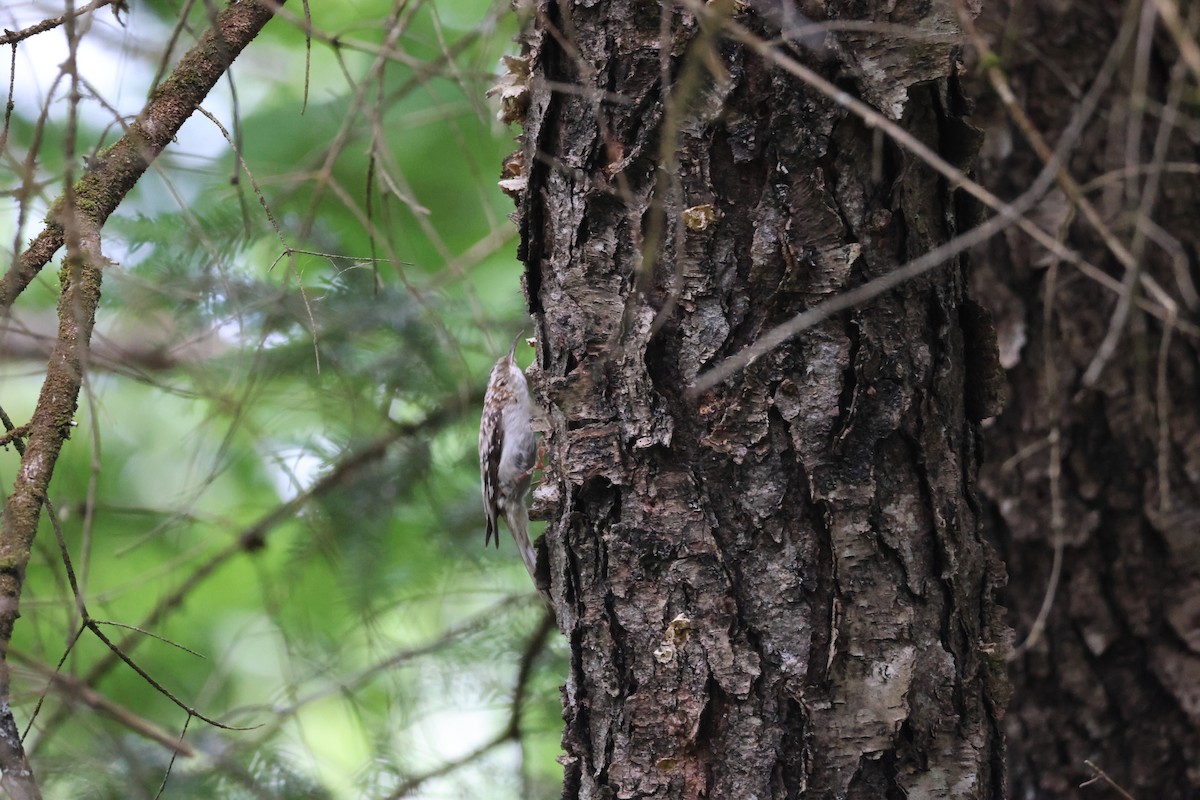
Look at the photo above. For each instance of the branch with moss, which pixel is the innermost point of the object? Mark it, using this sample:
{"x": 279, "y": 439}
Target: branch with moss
{"x": 49, "y": 428}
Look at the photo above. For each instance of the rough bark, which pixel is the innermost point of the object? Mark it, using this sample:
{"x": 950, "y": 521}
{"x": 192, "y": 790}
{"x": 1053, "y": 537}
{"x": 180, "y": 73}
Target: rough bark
{"x": 777, "y": 588}
{"x": 1114, "y": 677}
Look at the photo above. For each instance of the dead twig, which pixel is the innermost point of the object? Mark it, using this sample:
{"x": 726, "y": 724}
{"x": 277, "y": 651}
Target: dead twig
{"x": 12, "y": 37}
{"x": 1101, "y": 775}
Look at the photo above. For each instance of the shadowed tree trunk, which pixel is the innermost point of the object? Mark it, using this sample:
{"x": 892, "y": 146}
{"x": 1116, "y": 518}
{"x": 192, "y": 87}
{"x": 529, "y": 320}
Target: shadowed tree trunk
{"x": 775, "y": 587}
{"x": 1109, "y": 471}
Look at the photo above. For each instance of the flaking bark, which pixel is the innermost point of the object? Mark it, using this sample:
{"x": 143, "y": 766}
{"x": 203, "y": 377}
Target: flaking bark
{"x": 776, "y": 588}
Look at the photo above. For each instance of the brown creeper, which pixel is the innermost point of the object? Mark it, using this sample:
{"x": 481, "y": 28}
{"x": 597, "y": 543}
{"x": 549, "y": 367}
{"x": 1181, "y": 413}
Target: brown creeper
{"x": 506, "y": 455}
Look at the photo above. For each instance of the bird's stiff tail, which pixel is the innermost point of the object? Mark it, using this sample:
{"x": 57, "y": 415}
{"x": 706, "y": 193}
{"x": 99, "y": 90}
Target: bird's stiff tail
{"x": 518, "y": 522}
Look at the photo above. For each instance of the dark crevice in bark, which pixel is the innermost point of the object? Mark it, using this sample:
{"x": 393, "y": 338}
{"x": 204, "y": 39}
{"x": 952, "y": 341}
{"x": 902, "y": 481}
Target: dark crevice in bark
{"x": 849, "y": 383}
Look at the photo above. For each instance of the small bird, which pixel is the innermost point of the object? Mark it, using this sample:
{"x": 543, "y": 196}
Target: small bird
{"x": 507, "y": 452}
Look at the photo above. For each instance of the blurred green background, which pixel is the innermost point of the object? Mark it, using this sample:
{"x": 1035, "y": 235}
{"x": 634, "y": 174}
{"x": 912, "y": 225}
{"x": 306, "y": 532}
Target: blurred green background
{"x": 308, "y": 381}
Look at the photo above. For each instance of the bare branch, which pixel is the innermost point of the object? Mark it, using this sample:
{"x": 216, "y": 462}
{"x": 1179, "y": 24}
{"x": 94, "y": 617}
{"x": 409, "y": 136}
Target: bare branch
{"x": 1101, "y": 775}
{"x": 50, "y": 426}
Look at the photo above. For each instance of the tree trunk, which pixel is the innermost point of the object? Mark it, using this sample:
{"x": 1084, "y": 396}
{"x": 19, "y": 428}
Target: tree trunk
{"x": 1109, "y": 471}
{"x": 776, "y": 587}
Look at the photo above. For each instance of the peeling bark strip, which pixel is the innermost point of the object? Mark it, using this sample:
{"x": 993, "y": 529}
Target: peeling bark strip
{"x": 777, "y": 589}
{"x": 117, "y": 169}
{"x": 96, "y": 195}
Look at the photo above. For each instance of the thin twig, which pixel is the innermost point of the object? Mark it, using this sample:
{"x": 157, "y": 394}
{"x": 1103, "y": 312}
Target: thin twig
{"x": 1101, "y": 775}
{"x": 1163, "y": 408}
{"x": 158, "y": 687}
{"x": 12, "y": 37}
{"x": 171, "y": 765}
{"x": 76, "y": 691}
